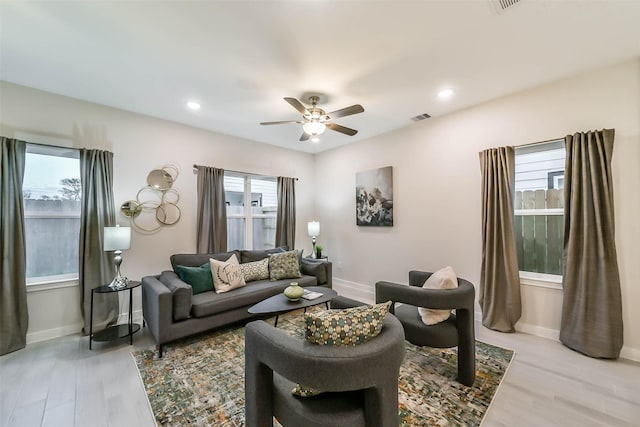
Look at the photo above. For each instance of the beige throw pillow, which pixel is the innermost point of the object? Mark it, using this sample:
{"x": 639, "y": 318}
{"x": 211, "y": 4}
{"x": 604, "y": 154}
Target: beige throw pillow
{"x": 226, "y": 274}
{"x": 444, "y": 278}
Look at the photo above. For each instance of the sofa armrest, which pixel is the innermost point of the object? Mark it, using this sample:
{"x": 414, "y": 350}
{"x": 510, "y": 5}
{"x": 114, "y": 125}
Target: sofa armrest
{"x": 181, "y": 294}
{"x": 322, "y": 270}
{"x": 157, "y": 307}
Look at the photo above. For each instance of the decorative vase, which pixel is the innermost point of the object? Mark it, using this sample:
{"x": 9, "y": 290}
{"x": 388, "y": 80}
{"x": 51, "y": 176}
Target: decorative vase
{"x": 293, "y": 292}
{"x": 318, "y": 254}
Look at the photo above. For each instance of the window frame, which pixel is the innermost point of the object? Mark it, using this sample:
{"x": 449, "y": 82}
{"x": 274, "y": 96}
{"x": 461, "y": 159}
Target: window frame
{"x": 57, "y": 280}
{"x": 248, "y": 215}
{"x": 530, "y": 278}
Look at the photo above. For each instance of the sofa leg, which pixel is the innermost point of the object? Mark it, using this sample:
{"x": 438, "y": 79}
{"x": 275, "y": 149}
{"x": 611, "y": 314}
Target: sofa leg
{"x": 160, "y": 351}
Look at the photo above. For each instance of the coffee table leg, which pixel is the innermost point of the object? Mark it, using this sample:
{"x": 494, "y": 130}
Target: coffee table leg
{"x": 275, "y": 324}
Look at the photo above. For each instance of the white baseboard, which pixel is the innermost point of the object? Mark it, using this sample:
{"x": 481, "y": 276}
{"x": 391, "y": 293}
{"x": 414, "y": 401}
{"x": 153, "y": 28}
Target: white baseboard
{"x": 630, "y": 353}
{"x": 538, "y": 331}
{"x": 357, "y": 291}
{"x": 626, "y": 352}
{"x": 49, "y": 334}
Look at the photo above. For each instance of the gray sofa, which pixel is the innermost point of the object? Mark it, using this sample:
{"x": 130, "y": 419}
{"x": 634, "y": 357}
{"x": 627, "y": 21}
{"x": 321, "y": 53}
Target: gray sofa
{"x": 171, "y": 311}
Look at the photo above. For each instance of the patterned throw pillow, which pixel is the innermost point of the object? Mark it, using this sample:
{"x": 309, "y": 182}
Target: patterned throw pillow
{"x": 284, "y": 265}
{"x": 348, "y": 327}
{"x": 445, "y": 278}
{"x": 226, "y": 275}
{"x": 198, "y": 277}
{"x": 257, "y": 270}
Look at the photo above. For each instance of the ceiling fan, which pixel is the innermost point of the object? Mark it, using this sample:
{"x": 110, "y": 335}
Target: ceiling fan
{"x": 315, "y": 120}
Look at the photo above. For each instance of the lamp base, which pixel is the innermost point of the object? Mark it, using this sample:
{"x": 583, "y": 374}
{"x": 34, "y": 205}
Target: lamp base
{"x": 119, "y": 282}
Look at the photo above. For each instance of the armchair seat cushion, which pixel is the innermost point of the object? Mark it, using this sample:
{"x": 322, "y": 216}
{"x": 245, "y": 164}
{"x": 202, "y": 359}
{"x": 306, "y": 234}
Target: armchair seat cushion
{"x": 345, "y": 408}
{"x": 440, "y": 335}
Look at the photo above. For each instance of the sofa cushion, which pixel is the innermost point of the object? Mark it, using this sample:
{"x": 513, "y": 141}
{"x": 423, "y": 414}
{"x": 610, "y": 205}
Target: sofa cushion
{"x": 257, "y": 270}
{"x": 285, "y": 265}
{"x": 444, "y": 278}
{"x": 198, "y": 277}
{"x": 347, "y": 327}
{"x": 195, "y": 260}
{"x": 209, "y": 303}
{"x": 251, "y": 256}
{"x": 181, "y": 294}
{"x": 226, "y": 274}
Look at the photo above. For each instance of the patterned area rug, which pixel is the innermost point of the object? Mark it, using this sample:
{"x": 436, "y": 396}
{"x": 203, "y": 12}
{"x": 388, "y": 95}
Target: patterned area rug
{"x": 200, "y": 381}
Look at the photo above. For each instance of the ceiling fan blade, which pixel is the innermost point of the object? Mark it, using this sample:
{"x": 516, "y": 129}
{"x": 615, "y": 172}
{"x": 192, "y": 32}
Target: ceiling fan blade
{"x": 304, "y": 137}
{"x": 281, "y": 122}
{"x": 347, "y": 111}
{"x": 341, "y": 129}
{"x": 297, "y": 105}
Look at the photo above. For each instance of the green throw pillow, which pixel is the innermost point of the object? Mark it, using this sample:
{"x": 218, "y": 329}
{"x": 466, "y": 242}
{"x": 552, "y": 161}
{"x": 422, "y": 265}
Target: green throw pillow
{"x": 284, "y": 265}
{"x": 348, "y": 327}
{"x": 199, "y": 278}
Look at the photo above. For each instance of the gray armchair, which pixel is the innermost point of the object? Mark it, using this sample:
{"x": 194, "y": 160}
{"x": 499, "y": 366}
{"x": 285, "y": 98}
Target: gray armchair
{"x": 458, "y": 330}
{"x": 361, "y": 381}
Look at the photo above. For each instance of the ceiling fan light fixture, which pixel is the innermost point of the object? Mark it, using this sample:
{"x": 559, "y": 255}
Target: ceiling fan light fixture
{"x": 193, "y": 105}
{"x": 314, "y": 128}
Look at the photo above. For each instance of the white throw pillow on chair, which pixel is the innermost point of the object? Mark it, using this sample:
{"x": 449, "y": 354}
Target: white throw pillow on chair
{"x": 444, "y": 278}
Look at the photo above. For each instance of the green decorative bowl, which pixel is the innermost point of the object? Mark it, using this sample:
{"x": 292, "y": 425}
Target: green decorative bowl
{"x": 293, "y": 292}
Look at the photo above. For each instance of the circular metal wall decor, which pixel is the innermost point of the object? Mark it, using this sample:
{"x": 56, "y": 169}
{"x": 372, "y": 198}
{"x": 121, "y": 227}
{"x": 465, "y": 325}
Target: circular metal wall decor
{"x": 156, "y": 204}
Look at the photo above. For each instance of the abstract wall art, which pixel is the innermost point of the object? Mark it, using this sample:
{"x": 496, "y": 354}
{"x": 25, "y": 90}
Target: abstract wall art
{"x": 374, "y": 197}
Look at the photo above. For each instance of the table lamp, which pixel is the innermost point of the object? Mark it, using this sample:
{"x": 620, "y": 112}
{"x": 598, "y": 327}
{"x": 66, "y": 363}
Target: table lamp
{"x": 313, "y": 229}
{"x": 117, "y": 239}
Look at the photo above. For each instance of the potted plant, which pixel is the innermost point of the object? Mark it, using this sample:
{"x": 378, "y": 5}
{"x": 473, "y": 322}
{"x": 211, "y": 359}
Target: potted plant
{"x": 318, "y": 251}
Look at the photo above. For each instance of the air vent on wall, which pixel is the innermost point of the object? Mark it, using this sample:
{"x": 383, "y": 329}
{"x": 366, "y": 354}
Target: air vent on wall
{"x": 420, "y": 117}
{"x": 501, "y": 6}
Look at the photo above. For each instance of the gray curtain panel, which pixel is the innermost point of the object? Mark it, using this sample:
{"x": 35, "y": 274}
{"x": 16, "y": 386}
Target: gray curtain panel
{"x": 212, "y": 211}
{"x": 499, "y": 294}
{"x": 286, "y": 217}
{"x": 14, "y": 318}
{"x": 96, "y": 267}
{"x": 592, "y": 304}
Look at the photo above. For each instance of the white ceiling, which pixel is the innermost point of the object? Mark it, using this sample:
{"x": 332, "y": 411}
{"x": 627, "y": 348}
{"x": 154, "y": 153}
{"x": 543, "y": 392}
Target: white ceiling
{"x": 240, "y": 58}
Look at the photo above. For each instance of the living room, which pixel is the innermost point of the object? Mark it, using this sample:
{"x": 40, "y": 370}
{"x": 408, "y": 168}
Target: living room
{"x": 437, "y": 182}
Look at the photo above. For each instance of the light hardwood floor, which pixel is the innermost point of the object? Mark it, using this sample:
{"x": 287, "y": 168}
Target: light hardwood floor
{"x": 62, "y": 383}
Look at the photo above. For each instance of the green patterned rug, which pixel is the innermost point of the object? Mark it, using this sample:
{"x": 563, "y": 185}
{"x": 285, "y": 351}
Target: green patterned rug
{"x": 200, "y": 381}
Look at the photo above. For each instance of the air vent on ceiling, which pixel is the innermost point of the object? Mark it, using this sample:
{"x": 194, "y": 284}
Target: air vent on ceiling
{"x": 501, "y": 6}
{"x": 420, "y": 117}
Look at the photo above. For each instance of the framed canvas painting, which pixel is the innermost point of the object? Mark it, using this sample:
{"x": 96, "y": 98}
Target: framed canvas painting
{"x": 374, "y": 197}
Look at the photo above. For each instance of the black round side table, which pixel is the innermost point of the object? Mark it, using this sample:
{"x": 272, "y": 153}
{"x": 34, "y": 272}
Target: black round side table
{"x": 115, "y": 331}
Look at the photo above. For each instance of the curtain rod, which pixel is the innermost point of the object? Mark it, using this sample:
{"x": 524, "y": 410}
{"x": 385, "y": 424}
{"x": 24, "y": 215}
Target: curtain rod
{"x": 532, "y": 144}
{"x": 195, "y": 172}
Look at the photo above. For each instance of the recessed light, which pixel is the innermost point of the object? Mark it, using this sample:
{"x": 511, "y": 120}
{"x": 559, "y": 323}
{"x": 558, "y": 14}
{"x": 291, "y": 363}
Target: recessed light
{"x": 192, "y": 105}
{"x": 445, "y": 93}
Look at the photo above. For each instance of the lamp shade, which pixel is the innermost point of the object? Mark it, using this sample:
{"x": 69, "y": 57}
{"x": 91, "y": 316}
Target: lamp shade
{"x": 313, "y": 228}
{"x": 117, "y": 238}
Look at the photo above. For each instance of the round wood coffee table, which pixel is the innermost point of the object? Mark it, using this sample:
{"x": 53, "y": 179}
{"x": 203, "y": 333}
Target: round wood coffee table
{"x": 279, "y": 304}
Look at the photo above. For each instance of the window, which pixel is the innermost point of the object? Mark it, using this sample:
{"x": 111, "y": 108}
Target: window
{"x": 51, "y": 191}
{"x": 539, "y": 210}
{"x": 252, "y": 205}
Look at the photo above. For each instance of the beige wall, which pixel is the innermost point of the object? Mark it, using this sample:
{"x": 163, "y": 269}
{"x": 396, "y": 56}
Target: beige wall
{"x": 436, "y": 185}
{"x": 139, "y": 144}
{"x": 437, "y": 188}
